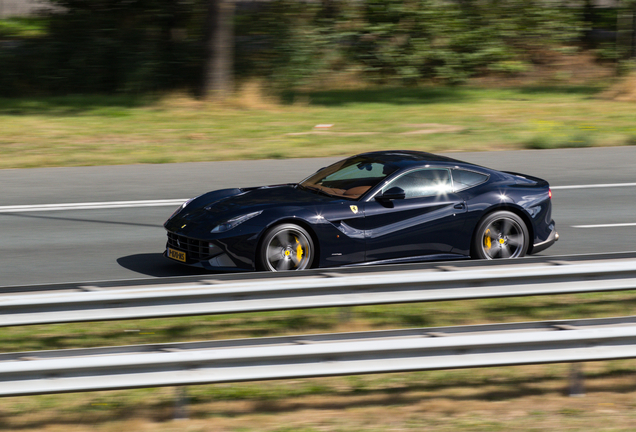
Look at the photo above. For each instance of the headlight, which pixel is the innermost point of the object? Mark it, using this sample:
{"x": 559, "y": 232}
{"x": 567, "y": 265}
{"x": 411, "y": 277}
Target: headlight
{"x": 231, "y": 223}
{"x": 181, "y": 208}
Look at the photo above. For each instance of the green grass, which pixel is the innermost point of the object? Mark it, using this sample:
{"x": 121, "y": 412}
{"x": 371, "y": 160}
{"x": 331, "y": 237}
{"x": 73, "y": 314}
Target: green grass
{"x": 22, "y": 27}
{"x": 103, "y": 130}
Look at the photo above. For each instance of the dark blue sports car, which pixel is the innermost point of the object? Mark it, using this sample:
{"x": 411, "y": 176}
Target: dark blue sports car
{"x": 380, "y": 207}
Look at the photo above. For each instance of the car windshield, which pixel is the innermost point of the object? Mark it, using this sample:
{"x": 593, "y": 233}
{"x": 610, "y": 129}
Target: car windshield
{"x": 350, "y": 178}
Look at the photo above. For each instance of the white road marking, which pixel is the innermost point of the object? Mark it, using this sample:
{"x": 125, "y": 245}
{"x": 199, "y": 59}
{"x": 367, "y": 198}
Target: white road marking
{"x": 607, "y": 185}
{"x": 606, "y": 225}
{"x": 176, "y": 202}
{"x": 91, "y": 205}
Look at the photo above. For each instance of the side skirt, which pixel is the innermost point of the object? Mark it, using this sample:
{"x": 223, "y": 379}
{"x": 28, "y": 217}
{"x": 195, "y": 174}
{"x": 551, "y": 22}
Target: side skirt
{"x": 422, "y": 258}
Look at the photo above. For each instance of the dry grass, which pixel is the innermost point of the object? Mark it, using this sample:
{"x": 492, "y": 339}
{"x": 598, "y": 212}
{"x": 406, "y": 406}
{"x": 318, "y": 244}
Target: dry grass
{"x": 254, "y": 95}
{"x": 623, "y": 91}
{"x": 79, "y": 131}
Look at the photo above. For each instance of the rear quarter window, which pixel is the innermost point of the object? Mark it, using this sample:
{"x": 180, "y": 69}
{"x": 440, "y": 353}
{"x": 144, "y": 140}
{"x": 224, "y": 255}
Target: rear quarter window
{"x": 463, "y": 179}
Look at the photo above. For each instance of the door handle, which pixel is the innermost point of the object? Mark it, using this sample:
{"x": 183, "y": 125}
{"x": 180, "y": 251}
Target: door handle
{"x": 460, "y": 206}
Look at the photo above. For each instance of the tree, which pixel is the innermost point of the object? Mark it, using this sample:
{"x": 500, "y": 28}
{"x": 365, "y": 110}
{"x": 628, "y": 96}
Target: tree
{"x": 218, "y": 77}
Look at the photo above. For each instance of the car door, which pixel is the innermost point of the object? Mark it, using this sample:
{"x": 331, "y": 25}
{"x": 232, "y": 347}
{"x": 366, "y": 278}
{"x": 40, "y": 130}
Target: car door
{"x": 342, "y": 237}
{"x": 428, "y": 220}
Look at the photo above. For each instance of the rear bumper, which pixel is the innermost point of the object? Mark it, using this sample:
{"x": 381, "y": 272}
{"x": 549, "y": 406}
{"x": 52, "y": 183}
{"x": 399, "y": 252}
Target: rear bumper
{"x": 552, "y": 238}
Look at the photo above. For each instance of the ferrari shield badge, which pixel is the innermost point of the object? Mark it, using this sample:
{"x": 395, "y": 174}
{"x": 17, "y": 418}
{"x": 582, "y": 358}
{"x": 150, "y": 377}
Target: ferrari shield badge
{"x": 354, "y": 209}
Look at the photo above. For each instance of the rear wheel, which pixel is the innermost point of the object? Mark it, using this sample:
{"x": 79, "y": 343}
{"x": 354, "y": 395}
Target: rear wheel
{"x": 286, "y": 247}
{"x": 501, "y": 234}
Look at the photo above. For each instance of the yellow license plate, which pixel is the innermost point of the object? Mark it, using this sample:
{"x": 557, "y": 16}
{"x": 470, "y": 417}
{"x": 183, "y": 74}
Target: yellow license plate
{"x": 178, "y": 255}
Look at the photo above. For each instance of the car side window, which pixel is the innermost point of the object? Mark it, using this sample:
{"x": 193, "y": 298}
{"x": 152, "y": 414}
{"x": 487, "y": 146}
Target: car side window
{"x": 422, "y": 183}
{"x": 463, "y": 179}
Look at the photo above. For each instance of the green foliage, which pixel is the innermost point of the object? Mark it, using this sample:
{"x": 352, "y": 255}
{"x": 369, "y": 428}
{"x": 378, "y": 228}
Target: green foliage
{"x": 22, "y": 27}
{"x": 104, "y": 46}
{"x": 577, "y": 140}
{"x": 133, "y": 46}
{"x": 509, "y": 67}
{"x": 407, "y": 40}
{"x": 607, "y": 51}
{"x": 285, "y": 41}
{"x": 625, "y": 67}
{"x": 402, "y": 41}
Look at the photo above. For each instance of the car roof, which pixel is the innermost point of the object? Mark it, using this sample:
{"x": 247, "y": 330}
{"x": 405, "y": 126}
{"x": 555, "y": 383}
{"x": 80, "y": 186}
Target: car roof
{"x": 404, "y": 158}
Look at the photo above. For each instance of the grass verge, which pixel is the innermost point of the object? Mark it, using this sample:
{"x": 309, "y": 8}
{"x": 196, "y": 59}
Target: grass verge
{"x": 104, "y": 130}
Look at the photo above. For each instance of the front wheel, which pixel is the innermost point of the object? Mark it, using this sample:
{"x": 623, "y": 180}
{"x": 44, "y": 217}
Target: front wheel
{"x": 286, "y": 247}
{"x": 501, "y": 234}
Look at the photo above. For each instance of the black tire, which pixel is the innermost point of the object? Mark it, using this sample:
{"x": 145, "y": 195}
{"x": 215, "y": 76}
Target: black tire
{"x": 286, "y": 247}
{"x": 500, "y": 235}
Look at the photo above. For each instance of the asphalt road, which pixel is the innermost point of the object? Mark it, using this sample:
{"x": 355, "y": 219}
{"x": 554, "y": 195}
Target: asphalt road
{"x": 38, "y": 247}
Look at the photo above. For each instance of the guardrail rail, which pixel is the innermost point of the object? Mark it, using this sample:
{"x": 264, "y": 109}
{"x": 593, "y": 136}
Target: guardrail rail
{"x": 178, "y": 364}
{"x": 329, "y": 289}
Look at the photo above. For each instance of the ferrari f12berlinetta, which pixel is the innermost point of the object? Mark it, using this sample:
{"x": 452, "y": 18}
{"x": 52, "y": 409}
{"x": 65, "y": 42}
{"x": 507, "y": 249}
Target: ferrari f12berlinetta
{"x": 379, "y": 207}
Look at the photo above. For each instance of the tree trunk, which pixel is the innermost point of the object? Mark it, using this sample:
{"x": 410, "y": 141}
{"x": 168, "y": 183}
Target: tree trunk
{"x": 218, "y": 74}
{"x": 624, "y": 30}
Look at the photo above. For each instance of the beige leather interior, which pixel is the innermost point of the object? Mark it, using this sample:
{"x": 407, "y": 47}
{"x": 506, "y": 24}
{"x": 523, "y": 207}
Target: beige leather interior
{"x": 357, "y": 191}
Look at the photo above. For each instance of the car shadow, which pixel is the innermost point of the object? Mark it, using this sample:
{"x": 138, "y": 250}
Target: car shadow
{"x": 156, "y": 265}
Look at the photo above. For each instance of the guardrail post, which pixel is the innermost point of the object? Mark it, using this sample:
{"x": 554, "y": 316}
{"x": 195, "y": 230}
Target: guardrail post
{"x": 181, "y": 403}
{"x": 576, "y": 380}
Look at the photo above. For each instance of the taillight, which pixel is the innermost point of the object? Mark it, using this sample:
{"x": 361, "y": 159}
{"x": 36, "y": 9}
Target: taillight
{"x": 550, "y": 193}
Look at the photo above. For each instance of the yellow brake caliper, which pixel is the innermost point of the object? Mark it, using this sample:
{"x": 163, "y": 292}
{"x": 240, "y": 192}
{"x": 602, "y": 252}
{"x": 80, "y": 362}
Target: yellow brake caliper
{"x": 487, "y": 239}
{"x": 299, "y": 250}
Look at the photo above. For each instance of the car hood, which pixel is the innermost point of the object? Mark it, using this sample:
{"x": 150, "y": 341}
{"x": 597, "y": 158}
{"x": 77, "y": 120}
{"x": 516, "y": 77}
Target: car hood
{"x": 222, "y": 205}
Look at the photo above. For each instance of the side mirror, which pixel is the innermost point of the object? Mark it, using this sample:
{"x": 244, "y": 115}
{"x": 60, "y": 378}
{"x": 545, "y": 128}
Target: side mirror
{"x": 391, "y": 194}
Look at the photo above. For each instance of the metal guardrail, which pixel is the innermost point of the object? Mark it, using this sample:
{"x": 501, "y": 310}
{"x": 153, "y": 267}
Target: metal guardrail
{"x": 316, "y": 355}
{"x": 198, "y": 277}
{"x": 325, "y": 290}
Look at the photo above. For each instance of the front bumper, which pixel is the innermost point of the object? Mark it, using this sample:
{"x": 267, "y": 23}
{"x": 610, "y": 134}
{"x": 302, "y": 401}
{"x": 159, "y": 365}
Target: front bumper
{"x": 552, "y": 238}
{"x": 199, "y": 253}
{"x": 219, "y": 263}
